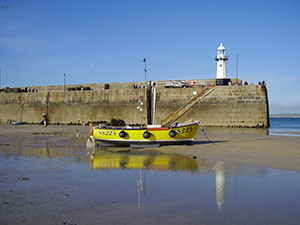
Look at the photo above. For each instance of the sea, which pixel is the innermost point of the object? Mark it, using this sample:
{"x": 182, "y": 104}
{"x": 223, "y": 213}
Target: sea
{"x": 284, "y": 126}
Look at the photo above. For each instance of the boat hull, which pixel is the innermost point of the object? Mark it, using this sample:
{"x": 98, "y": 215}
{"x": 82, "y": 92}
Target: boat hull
{"x": 146, "y": 137}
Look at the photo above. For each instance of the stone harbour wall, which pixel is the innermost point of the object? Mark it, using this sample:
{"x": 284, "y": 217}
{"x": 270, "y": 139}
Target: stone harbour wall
{"x": 226, "y": 106}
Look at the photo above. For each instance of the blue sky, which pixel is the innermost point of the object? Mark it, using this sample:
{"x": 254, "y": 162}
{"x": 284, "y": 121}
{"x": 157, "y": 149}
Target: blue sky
{"x": 99, "y": 41}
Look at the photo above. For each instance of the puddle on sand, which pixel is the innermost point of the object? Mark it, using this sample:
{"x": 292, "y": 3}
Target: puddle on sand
{"x": 69, "y": 185}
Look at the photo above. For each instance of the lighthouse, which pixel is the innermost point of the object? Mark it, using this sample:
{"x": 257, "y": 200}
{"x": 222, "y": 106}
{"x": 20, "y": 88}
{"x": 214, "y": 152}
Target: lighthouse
{"x": 221, "y": 59}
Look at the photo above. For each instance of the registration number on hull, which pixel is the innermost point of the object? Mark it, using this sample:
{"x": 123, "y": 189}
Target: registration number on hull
{"x": 184, "y": 130}
{"x": 107, "y": 132}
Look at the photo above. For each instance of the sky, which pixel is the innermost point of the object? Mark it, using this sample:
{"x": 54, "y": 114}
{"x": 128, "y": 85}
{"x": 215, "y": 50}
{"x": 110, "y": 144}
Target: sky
{"x": 105, "y": 41}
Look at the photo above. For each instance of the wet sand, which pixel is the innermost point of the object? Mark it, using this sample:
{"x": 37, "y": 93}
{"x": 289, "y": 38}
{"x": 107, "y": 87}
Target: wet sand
{"x": 278, "y": 152}
{"x": 45, "y": 178}
{"x": 248, "y": 146}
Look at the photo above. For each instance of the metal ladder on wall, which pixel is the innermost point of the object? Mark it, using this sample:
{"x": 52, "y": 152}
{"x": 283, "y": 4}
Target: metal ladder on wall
{"x": 170, "y": 119}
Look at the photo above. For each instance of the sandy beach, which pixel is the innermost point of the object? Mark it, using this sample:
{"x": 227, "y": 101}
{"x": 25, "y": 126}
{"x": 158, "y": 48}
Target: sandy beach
{"x": 249, "y": 146}
{"x": 46, "y": 176}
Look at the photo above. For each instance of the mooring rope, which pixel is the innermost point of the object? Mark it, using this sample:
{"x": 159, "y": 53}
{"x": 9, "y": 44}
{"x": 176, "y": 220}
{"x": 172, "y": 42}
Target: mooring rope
{"x": 202, "y": 128}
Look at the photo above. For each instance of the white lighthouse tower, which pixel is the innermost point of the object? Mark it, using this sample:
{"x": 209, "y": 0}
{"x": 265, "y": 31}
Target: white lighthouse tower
{"x": 221, "y": 59}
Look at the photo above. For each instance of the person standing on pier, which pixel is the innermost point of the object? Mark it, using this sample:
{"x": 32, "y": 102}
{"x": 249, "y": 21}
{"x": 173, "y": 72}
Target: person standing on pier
{"x": 45, "y": 120}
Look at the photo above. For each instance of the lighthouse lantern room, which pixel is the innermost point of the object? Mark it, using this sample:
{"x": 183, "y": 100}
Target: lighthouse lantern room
{"x": 221, "y": 59}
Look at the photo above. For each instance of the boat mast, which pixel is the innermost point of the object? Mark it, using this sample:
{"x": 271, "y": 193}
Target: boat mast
{"x": 141, "y": 110}
{"x": 153, "y": 105}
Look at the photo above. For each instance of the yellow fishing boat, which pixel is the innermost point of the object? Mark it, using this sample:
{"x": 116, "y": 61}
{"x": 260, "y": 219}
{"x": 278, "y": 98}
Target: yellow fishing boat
{"x": 150, "y": 136}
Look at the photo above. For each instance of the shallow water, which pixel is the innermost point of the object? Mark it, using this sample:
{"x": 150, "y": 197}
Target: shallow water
{"x": 48, "y": 179}
{"x": 285, "y": 126}
{"x": 278, "y": 126}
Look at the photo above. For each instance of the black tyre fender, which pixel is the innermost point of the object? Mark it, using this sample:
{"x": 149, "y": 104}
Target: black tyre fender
{"x": 122, "y": 134}
{"x": 172, "y": 133}
{"x": 146, "y": 134}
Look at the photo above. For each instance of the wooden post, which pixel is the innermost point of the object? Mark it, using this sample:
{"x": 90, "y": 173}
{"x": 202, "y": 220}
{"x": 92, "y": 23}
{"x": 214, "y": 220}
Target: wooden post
{"x": 91, "y": 129}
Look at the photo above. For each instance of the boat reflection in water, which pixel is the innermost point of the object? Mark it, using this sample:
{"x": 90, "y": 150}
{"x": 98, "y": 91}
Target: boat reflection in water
{"x": 143, "y": 159}
{"x": 153, "y": 160}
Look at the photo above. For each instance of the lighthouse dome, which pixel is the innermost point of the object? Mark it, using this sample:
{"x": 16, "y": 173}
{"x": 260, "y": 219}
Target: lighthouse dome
{"x": 221, "y": 47}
